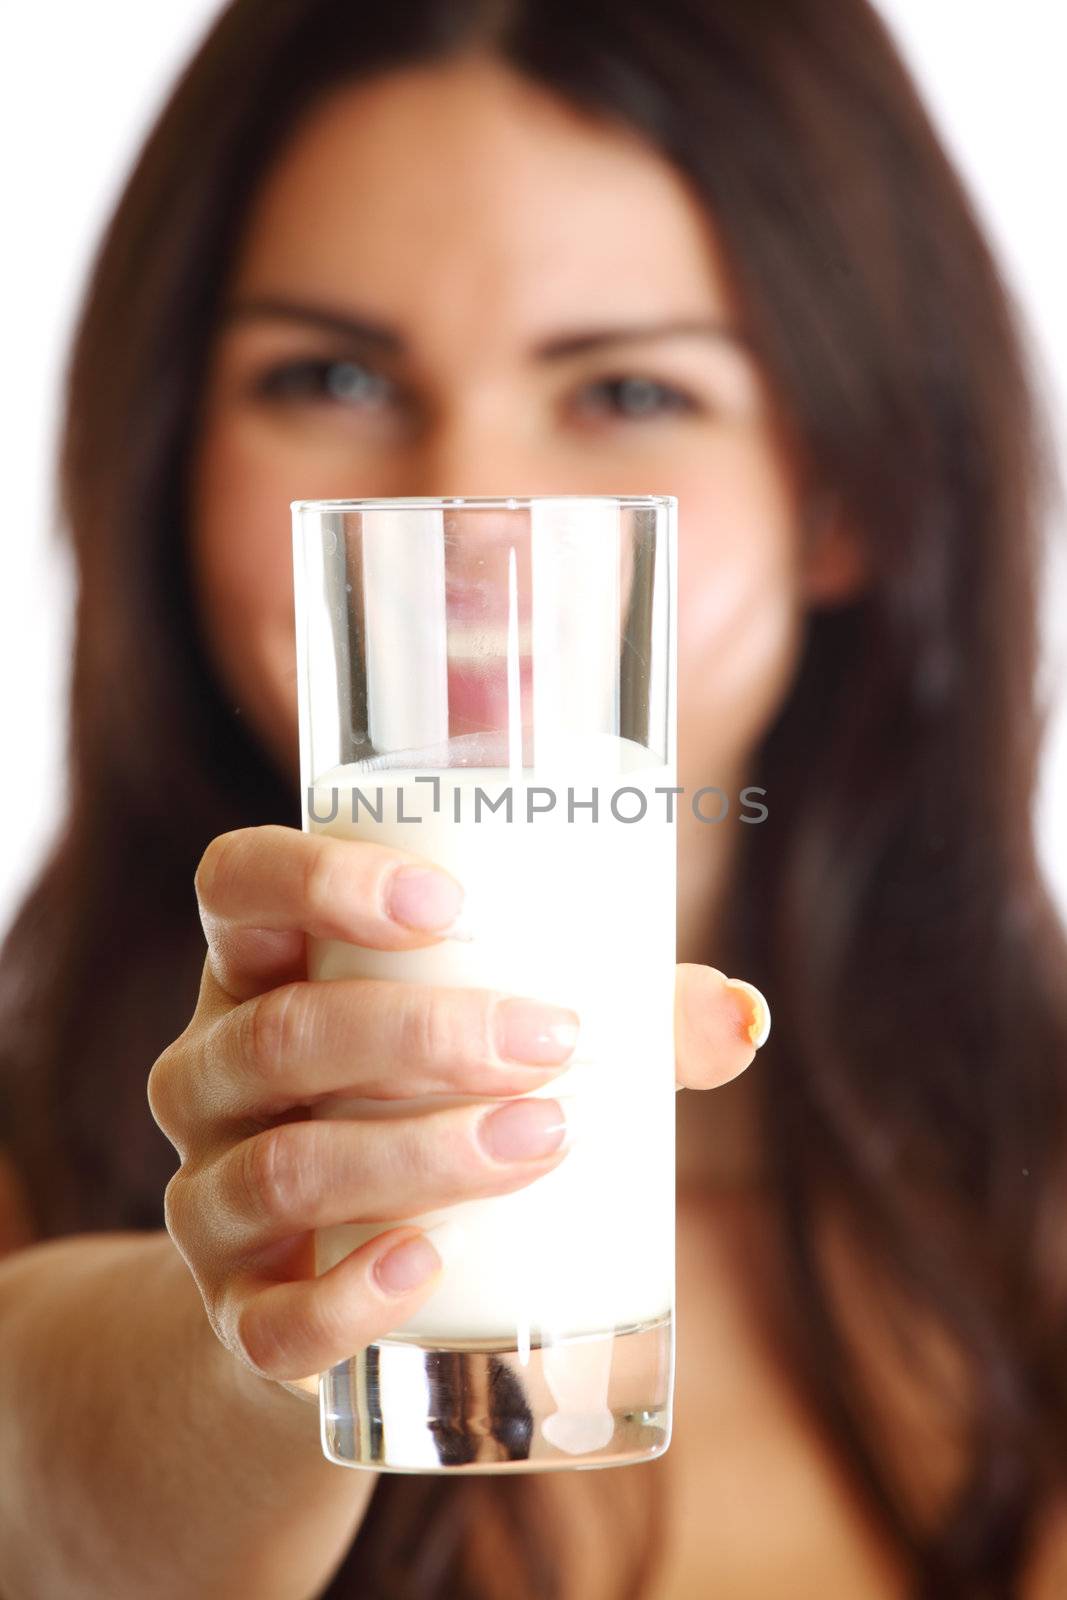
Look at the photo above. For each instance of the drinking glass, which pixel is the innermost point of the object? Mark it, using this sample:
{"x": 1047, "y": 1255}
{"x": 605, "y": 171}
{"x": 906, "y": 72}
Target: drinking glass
{"x": 491, "y": 684}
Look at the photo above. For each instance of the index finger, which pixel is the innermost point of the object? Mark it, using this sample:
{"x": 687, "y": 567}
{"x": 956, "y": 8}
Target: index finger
{"x": 261, "y": 890}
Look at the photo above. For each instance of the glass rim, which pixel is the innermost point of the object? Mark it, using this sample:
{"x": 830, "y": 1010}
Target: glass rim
{"x": 516, "y": 502}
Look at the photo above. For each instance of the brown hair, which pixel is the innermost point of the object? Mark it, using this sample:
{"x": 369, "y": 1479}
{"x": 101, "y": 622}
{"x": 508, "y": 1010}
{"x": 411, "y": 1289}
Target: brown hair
{"x": 891, "y": 906}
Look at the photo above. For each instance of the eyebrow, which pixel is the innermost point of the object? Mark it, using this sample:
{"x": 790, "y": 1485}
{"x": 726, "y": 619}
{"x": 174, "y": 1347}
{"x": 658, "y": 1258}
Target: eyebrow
{"x": 378, "y": 336}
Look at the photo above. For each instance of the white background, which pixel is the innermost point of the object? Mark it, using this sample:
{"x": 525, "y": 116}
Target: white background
{"x": 78, "y": 86}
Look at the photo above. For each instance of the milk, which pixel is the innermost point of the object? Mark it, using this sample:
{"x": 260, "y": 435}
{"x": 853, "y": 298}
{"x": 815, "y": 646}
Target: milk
{"x": 573, "y": 912}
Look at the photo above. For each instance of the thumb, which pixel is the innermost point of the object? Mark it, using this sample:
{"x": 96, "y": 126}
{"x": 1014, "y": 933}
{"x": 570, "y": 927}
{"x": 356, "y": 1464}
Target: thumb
{"x": 719, "y": 1024}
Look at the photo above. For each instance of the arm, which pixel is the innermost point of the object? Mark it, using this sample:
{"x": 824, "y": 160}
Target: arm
{"x": 155, "y": 1435}
{"x": 137, "y": 1456}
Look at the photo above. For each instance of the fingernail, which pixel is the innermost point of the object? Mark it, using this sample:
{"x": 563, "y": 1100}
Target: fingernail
{"x": 448, "y": 1239}
{"x": 524, "y": 1129}
{"x": 540, "y": 1035}
{"x": 758, "y": 1025}
{"x": 423, "y": 899}
{"x": 416, "y": 1260}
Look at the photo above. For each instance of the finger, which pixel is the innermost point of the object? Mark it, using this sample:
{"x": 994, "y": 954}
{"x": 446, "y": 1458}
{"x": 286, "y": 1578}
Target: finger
{"x": 302, "y": 1175}
{"x": 375, "y": 1039}
{"x": 288, "y": 1331}
{"x": 261, "y": 889}
{"x": 719, "y": 1024}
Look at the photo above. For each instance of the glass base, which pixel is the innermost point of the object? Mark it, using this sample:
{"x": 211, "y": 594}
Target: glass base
{"x": 598, "y": 1400}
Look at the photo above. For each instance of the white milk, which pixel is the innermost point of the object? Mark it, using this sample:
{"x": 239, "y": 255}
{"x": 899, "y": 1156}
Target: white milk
{"x": 577, "y": 913}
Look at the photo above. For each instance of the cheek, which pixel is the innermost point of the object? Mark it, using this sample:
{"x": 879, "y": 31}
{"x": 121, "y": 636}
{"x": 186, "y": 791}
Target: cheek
{"x": 241, "y": 522}
{"x": 740, "y": 613}
{"x": 242, "y": 572}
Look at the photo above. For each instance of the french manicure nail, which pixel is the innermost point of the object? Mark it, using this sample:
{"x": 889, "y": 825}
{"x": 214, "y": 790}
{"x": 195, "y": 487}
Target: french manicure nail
{"x": 408, "y": 1265}
{"x": 416, "y": 1260}
{"x": 521, "y": 1130}
{"x": 758, "y": 1028}
{"x": 448, "y": 1239}
{"x": 539, "y": 1035}
{"x": 424, "y": 899}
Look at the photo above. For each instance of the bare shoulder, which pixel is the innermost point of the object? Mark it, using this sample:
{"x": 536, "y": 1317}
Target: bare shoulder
{"x": 741, "y": 1443}
{"x": 16, "y": 1226}
{"x": 1046, "y": 1576}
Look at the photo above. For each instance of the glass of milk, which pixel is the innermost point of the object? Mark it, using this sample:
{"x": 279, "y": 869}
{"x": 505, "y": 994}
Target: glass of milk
{"x": 491, "y": 684}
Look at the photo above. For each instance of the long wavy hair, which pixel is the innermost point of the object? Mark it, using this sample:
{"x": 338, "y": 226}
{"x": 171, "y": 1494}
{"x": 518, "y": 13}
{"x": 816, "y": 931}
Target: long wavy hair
{"x": 913, "y": 1092}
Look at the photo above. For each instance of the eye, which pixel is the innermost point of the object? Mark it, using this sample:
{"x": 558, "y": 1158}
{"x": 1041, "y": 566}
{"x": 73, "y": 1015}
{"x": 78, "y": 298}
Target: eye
{"x": 347, "y": 383}
{"x": 633, "y": 399}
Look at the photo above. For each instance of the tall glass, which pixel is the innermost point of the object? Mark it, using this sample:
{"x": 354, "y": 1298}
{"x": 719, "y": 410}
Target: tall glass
{"x": 491, "y": 684}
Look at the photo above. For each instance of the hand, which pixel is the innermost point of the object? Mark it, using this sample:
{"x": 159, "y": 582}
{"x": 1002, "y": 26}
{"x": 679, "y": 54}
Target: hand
{"x": 234, "y": 1093}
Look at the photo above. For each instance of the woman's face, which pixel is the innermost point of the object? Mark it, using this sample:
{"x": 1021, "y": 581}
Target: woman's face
{"x": 453, "y": 284}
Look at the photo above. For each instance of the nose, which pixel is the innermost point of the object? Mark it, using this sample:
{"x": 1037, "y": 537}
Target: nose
{"x": 476, "y": 453}
{"x": 473, "y": 457}
{"x": 476, "y": 449}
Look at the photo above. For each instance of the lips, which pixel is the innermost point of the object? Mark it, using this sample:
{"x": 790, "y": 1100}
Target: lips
{"x": 478, "y": 602}
{"x": 478, "y": 692}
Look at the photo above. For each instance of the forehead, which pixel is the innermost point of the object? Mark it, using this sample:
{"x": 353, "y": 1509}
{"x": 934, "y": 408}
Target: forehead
{"x": 463, "y": 193}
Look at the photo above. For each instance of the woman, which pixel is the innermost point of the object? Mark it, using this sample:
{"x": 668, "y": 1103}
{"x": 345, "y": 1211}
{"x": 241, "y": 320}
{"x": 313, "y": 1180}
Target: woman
{"x": 707, "y": 249}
